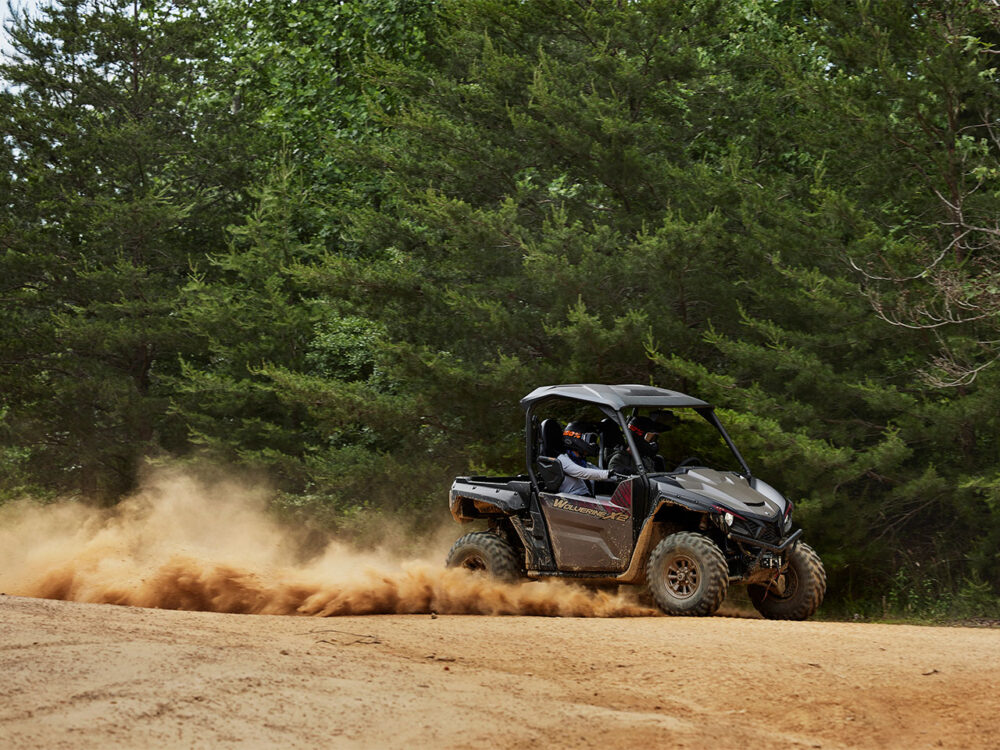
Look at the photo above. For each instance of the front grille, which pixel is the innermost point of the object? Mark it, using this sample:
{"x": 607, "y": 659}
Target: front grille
{"x": 739, "y": 527}
{"x": 766, "y": 533}
{"x": 770, "y": 535}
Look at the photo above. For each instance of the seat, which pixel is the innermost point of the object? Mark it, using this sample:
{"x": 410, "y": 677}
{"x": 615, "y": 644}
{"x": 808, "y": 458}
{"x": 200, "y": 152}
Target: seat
{"x": 611, "y": 439}
{"x": 547, "y": 467}
{"x": 552, "y": 438}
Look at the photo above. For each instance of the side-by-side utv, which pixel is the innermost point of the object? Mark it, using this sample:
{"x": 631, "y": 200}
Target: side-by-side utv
{"x": 687, "y": 521}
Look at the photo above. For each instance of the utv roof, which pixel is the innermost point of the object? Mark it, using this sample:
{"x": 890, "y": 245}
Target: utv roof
{"x": 615, "y": 396}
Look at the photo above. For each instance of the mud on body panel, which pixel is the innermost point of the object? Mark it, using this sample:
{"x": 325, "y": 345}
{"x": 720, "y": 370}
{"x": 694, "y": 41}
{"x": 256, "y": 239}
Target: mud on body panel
{"x": 590, "y": 533}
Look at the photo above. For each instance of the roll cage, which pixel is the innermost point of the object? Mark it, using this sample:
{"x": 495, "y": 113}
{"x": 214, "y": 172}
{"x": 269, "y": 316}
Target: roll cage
{"x": 612, "y": 400}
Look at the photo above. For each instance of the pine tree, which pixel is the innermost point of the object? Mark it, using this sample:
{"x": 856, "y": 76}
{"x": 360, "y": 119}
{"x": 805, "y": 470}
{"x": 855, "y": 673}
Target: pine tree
{"x": 614, "y": 193}
{"x": 909, "y": 95}
{"x": 124, "y": 165}
{"x": 896, "y": 476}
{"x": 559, "y": 186}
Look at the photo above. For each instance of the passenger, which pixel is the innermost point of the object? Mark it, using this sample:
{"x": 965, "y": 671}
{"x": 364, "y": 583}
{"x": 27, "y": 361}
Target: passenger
{"x": 644, "y": 431}
{"x": 578, "y": 474}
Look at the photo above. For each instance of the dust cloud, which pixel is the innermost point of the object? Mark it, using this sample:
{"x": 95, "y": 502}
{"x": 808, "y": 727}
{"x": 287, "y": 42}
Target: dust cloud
{"x": 187, "y": 544}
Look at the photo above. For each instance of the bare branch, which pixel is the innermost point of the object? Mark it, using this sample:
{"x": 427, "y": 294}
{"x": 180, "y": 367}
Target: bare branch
{"x": 923, "y": 274}
{"x": 962, "y": 375}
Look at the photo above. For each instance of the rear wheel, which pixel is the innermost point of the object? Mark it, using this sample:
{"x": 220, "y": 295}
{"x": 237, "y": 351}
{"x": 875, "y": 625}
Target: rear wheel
{"x": 687, "y": 574}
{"x": 798, "y": 592}
{"x": 485, "y": 552}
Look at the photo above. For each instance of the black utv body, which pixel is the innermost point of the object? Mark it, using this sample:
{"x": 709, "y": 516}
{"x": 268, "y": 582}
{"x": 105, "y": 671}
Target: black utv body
{"x": 686, "y": 530}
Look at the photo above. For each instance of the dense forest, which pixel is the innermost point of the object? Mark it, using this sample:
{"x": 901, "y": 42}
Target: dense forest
{"x": 333, "y": 242}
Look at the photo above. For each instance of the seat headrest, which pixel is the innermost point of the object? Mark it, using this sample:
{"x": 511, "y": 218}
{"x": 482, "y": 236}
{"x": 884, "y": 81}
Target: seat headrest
{"x": 552, "y": 439}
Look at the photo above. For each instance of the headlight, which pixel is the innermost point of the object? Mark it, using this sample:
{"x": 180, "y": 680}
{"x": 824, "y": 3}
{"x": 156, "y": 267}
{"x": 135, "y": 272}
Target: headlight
{"x": 787, "y": 523}
{"x": 729, "y": 519}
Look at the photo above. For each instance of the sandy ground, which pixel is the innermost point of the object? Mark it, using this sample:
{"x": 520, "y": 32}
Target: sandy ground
{"x": 89, "y": 675}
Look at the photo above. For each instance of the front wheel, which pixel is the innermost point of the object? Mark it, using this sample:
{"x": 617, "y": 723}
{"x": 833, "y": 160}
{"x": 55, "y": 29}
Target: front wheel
{"x": 797, "y": 593}
{"x": 687, "y": 574}
{"x": 485, "y": 552}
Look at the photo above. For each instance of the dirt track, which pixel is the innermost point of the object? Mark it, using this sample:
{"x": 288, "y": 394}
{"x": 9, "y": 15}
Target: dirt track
{"x": 85, "y": 675}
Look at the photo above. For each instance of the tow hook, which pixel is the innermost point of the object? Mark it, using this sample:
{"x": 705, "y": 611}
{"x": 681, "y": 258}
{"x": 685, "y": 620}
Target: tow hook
{"x": 778, "y": 585}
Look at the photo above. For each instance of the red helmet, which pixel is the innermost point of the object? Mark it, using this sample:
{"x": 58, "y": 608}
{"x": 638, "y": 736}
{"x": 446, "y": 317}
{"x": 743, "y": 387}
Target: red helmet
{"x": 646, "y": 431}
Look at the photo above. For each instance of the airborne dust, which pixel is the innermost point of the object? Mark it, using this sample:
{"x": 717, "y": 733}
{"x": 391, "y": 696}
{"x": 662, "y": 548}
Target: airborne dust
{"x": 183, "y": 543}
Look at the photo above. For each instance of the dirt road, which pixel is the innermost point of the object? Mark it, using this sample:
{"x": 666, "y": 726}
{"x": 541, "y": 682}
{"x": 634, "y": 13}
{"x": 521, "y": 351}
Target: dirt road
{"x": 88, "y": 675}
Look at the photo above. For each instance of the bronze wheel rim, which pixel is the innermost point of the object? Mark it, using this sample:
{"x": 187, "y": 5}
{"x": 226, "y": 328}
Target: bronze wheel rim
{"x": 791, "y": 584}
{"x": 682, "y": 576}
{"x": 474, "y": 563}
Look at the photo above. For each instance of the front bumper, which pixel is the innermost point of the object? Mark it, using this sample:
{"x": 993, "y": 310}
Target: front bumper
{"x": 779, "y": 547}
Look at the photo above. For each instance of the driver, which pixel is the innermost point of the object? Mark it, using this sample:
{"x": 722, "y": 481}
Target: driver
{"x": 645, "y": 431}
{"x": 578, "y": 474}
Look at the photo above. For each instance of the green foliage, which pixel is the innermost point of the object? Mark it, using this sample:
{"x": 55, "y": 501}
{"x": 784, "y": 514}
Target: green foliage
{"x": 124, "y": 164}
{"x": 121, "y": 164}
{"x": 909, "y": 92}
{"x": 300, "y": 69}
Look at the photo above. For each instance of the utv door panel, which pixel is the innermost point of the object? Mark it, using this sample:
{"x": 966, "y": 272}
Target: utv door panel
{"x": 589, "y": 533}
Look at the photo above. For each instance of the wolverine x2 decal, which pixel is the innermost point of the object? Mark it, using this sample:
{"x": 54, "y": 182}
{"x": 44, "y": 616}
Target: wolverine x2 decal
{"x": 605, "y": 515}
